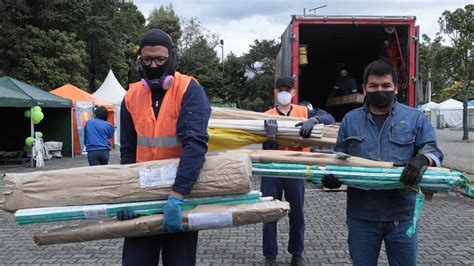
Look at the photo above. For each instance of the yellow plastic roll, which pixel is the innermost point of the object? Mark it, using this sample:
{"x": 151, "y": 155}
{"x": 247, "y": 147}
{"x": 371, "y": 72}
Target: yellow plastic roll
{"x": 228, "y": 139}
{"x": 303, "y": 55}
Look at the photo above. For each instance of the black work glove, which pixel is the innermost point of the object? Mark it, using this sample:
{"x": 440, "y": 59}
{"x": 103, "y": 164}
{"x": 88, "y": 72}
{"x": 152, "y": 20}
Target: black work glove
{"x": 270, "y": 145}
{"x": 331, "y": 181}
{"x": 126, "y": 214}
{"x": 271, "y": 128}
{"x": 306, "y": 127}
{"x": 414, "y": 169}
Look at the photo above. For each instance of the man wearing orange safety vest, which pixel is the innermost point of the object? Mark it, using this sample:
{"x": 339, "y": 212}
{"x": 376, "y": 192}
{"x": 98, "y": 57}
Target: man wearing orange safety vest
{"x": 294, "y": 188}
{"x": 164, "y": 115}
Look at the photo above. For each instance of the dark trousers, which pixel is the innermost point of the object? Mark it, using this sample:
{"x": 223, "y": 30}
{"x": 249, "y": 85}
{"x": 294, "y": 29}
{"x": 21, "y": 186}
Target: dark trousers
{"x": 294, "y": 194}
{"x": 365, "y": 239}
{"x": 177, "y": 249}
{"x": 98, "y": 157}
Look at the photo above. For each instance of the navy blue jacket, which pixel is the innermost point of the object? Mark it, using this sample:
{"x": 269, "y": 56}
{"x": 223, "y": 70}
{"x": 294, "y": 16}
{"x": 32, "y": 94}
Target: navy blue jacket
{"x": 97, "y": 133}
{"x": 322, "y": 116}
{"x": 405, "y": 133}
{"x": 191, "y": 129}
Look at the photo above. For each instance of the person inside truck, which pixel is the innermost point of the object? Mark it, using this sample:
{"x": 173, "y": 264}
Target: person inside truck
{"x": 345, "y": 84}
{"x": 307, "y": 104}
{"x": 294, "y": 188}
{"x": 385, "y": 130}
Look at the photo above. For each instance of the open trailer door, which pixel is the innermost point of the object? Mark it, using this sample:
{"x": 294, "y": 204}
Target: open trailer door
{"x": 283, "y": 59}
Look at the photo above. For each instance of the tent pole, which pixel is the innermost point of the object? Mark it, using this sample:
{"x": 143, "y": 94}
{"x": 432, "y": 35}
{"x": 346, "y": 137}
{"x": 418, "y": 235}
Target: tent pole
{"x": 32, "y": 127}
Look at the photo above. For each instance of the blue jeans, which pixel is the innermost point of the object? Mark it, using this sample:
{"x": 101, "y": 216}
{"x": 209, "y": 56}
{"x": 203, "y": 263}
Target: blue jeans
{"x": 98, "y": 157}
{"x": 294, "y": 194}
{"x": 365, "y": 240}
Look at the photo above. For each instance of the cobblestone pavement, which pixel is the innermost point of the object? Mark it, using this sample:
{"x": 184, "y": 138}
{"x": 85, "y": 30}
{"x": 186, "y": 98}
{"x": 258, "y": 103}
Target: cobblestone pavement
{"x": 446, "y": 230}
{"x": 458, "y": 153}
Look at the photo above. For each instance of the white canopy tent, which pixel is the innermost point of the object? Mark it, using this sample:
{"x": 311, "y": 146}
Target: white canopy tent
{"x": 112, "y": 92}
{"x": 428, "y": 106}
{"x": 451, "y": 111}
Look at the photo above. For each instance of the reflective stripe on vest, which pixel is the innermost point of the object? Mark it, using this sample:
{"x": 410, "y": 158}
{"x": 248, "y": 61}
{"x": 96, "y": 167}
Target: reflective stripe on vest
{"x": 158, "y": 141}
{"x": 297, "y": 111}
{"x": 156, "y": 137}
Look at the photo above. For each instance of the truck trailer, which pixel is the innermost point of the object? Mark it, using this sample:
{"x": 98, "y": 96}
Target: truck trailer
{"x": 313, "y": 47}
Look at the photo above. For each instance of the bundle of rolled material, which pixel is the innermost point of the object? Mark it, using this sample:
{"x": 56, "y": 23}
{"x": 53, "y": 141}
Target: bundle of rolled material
{"x": 231, "y": 134}
{"x": 224, "y": 174}
{"x": 202, "y": 217}
{"x": 433, "y": 180}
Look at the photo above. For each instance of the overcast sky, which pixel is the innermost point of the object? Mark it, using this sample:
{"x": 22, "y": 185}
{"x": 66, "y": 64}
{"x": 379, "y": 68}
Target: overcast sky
{"x": 240, "y": 22}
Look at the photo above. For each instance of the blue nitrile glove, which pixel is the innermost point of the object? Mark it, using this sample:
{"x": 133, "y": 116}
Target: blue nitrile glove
{"x": 307, "y": 127}
{"x": 126, "y": 214}
{"x": 173, "y": 221}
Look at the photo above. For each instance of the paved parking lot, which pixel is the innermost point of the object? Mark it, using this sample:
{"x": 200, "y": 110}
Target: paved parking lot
{"x": 446, "y": 229}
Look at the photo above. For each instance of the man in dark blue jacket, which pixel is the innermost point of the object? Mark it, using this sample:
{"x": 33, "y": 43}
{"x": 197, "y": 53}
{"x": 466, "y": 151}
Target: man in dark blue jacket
{"x": 385, "y": 130}
{"x": 97, "y": 134}
{"x": 156, "y": 60}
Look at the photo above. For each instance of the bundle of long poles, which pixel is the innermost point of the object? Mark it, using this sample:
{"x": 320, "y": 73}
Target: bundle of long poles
{"x": 320, "y": 135}
{"x": 366, "y": 177}
{"x": 101, "y": 211}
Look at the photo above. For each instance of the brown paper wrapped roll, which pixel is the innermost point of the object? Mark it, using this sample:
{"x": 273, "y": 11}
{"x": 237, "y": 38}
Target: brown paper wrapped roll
{"x": 201, "y": 218}
{"x": 224, "y": 174}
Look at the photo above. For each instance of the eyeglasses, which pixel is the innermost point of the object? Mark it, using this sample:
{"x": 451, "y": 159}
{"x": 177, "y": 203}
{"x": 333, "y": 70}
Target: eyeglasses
{"x": 148, "y": 61}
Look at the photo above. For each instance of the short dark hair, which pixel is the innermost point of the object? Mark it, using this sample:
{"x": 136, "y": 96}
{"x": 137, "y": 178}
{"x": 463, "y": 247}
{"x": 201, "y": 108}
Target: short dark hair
{"x": 380, "y": 68}
{"x": 101, "y": 113}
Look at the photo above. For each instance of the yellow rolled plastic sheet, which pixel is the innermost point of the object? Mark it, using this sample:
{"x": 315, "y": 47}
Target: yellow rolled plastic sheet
{"x": 229, "y": 139}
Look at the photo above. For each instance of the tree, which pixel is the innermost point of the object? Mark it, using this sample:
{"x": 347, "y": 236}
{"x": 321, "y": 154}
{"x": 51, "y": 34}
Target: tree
{"x": 110, "y": 31}
{"x": 458, "y": 26}
{"x": 197, "y": 57}
{"x": 46, "y": 59}
{"x": 260, "y": 67}
{"x": 131, "y": 24}
{"x": 235, "y": 89}
{"x": 201, "y": 61}
{"x": 165, "y": 19}
{"x": 435, "y": 66}
{"x": 193, "y": 32}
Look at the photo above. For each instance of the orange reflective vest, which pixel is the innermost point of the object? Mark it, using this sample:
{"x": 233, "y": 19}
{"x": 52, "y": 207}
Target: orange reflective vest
{"x": 156, "y": 138}
{"x": 296, "y": 111}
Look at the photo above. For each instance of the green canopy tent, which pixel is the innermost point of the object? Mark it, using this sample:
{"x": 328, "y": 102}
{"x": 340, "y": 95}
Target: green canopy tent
{"x": 16, "y": 97}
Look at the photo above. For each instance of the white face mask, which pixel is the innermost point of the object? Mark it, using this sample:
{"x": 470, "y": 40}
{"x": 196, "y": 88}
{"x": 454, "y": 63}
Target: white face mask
{"x": 284, "y": 97}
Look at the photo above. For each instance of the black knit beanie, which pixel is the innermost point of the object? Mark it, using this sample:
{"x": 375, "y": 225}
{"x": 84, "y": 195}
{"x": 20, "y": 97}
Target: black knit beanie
{"x": 156, "y": 37}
